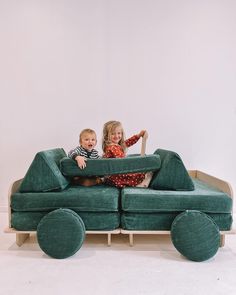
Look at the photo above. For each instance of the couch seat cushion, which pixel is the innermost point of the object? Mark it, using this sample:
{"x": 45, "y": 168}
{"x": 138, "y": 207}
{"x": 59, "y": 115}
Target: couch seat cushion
{"x": 163, "y": 220}
{"x": 100, "y": 167}
{"x": 92, "y": 220}
{"x": 94, "y": 199}
{"x": 204, "y": 198}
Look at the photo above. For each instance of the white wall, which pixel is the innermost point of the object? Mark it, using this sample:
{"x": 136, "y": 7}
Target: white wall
{"x": 167, "y": 66}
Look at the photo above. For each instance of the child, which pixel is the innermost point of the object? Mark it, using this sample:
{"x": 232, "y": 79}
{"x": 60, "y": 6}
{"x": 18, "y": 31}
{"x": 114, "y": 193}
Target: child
{"x": 114, "y": 146}
{"x": 80, "y": 154}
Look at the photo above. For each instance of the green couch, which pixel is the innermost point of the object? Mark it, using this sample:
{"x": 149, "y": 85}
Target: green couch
{"x": 104, "y": 209}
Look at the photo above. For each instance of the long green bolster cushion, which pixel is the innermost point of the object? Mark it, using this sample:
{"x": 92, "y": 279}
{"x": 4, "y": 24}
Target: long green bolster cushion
{"x": 172, "y": 175}
{"x": 93, "y": 199}
{"x": 101, "y": 167}
{"x": 164, "y": 220}
{"x": 44, "y": 173}
{"x": 25, "y": 221}
{"x": 61, "y": 233}
{"x": 195, "y": 235}
{"x": 204, "y": 198}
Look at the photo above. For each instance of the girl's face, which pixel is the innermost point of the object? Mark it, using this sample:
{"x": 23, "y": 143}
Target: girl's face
{"x": 116, "y": 135}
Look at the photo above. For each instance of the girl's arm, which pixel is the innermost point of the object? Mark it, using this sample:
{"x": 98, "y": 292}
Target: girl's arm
{"x": 132, "y": 140}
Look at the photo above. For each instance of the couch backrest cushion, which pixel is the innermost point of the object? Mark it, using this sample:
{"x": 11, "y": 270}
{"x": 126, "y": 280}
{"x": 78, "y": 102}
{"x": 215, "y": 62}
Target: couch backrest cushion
{"x": 100, "y": 167}
{"x": 172, "y": 174}
{"x": 44, "y": 173}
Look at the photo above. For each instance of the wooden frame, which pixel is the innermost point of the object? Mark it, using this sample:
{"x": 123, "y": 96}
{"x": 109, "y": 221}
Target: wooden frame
{"x": 222, "y": 185}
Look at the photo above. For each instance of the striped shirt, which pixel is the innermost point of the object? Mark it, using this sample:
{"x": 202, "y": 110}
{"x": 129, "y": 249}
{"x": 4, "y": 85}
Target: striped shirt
{"x": 80, "y": 151}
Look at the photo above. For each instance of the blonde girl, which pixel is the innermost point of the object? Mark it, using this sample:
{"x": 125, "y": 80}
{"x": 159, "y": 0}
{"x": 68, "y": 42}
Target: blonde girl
{"x": 114, "y": 145}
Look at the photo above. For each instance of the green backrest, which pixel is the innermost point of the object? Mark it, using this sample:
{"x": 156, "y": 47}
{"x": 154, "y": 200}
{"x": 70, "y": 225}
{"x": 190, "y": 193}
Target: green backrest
{"x": 172, "y": 174}
{"x": 44, "y": 173}
{"x": 100, "y": 167}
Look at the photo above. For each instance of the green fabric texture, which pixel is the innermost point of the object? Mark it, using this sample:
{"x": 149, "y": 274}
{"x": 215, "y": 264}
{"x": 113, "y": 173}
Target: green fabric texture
{"x": 61, "y": 233}
{"x": 98, "y": 198}
{"x": 204, "y": 198}
{"x": 172, "y": 175}
{"x": 44, "y": 173}
{"x": 195, "y": 235}
{"x": 100, "y": 167}
{"x": 164, "y": 220}
{"x": 92, "y": 220}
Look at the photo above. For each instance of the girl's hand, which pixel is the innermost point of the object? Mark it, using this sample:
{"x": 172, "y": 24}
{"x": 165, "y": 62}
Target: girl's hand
{"x": 81, "y": 161}
{"x": 142, "y": 133}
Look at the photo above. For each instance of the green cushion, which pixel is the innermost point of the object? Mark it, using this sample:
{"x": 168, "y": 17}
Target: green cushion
{"x": 172, "y": 174}
{"x": 100, "y": 167}
{"x": 195, "y": 235}
{"x": 204, "y": 198}
{"x": 164, "y": 220}
{"x": 94, "y": 199}
{"x": 61, "y": 233}
{"x": 92, "y": 220}
{"x": 44, "y": 173}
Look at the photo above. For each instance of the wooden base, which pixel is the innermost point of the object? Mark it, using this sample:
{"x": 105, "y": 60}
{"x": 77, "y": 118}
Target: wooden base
{"x": 131, "y": 234}
{"x": 21, "y": 236}
{"x": 108, "y": 233}
{"x": 222, "y": 240}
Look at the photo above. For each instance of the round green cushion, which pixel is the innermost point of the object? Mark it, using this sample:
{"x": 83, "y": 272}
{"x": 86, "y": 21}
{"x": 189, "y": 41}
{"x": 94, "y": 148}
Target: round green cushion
{"x": 61, "y": 233}
{"x": 195, "y": 235}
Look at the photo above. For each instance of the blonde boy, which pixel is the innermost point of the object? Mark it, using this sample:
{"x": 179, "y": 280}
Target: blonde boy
{"x": 86, "y": 150}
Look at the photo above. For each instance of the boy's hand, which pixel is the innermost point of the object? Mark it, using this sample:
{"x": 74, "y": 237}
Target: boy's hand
{"x": 81, "y": 161}
{"x": 142, "y": 133}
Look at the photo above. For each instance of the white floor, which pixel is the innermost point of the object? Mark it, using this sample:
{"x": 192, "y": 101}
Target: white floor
{"x": 152, "y": 266}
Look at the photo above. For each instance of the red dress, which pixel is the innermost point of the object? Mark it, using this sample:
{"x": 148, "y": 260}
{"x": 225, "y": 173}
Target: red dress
{"x": 122, "y": 180}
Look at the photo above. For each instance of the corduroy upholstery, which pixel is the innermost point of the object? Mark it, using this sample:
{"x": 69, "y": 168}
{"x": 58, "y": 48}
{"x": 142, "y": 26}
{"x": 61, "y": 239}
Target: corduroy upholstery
{"x": 195, "y": 235}
{"x": 61, "y": 233}
{"x": 92, "y": 220}
{"x": 44, "y": 173}
{"x": 101, "y": 167}
{"x": 95, "y": 198}
{"x": 204, "y": 198}
{"x": 172, "y": 175}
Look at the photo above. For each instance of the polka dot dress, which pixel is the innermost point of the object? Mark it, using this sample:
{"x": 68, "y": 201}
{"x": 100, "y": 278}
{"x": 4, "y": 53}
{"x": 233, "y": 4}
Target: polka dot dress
{"x": 122, "y": 180}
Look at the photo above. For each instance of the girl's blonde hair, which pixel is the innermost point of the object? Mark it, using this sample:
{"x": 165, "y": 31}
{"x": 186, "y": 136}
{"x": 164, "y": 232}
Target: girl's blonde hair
{"x": 108, "y": 128}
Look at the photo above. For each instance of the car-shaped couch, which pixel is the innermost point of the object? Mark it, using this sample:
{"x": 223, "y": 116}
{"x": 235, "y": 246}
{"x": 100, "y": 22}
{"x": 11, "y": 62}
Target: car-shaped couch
{"x": 192, "y": 206}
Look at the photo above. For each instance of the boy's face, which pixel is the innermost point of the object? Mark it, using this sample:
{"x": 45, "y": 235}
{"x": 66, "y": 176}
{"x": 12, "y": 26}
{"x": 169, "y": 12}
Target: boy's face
{"x": 88, "y": 141}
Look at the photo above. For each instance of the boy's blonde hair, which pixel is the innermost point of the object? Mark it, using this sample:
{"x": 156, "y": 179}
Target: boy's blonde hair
{"x": 86, "y": 131}
{"x": 108, "y": 128}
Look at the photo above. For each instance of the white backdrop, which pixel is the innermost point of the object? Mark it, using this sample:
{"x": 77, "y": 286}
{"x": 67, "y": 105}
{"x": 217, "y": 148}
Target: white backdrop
{"x": 164, "y": 65}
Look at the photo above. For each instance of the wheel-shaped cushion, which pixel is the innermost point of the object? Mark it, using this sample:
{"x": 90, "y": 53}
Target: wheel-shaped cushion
{"x": 61, "y": 233}
{"x": 195, "y": 235}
